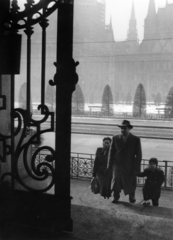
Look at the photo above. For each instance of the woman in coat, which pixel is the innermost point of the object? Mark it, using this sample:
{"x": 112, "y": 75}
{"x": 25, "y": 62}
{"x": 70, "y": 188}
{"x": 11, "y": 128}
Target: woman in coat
{"x": 100, "y": 168}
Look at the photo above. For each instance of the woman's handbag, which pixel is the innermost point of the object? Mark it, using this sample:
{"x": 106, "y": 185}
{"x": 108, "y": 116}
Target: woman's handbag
{"x": 94, "y": 186}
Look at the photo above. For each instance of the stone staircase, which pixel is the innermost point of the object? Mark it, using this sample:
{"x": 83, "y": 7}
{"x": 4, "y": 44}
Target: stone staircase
{"x": 97, "y": 218}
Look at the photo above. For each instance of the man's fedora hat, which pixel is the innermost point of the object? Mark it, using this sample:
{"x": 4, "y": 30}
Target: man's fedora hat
{"x": 125, "y": 123}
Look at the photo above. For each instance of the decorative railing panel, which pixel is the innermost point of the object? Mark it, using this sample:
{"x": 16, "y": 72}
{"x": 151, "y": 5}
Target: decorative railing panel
{"x": 24, "y": 178}
{"x": 22, "y": 120}
{"x": 81, "y": 166}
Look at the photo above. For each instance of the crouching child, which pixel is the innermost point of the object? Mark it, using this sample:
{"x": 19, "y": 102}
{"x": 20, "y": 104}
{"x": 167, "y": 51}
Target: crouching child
{"x": 153, "y": 183}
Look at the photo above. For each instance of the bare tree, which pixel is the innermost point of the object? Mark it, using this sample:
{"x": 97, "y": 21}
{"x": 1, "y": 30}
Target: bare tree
{"x": 78, "y": 101}
{"x": 139, "y": 104}
{"x": 169, "y": 105}
{"x": 107, "y": 101}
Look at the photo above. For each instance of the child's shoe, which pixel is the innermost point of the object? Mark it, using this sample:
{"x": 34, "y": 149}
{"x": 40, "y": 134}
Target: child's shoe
{"x": 146, "y": 203}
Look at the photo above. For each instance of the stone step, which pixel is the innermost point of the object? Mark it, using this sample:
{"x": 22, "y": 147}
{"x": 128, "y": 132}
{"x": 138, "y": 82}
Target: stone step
{"x": 93, "y": 223}
{"x": 82, "y": 196}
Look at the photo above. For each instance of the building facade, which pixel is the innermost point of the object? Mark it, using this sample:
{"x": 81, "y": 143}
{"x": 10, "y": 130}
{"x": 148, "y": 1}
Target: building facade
{"x": 123, "y": 65}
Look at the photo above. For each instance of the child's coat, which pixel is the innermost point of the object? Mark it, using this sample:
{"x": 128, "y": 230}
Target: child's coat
{"x": 153, "y": 183}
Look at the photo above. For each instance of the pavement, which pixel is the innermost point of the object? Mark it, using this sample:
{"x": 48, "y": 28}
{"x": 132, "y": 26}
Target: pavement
{"x": 83, "y": 143}
{"x": 96, "y": 218}
{"x": 112, "y": 120}
{"x": 82, "y": 196}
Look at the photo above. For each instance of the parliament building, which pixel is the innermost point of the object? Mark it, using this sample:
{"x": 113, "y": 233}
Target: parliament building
{"x": 123, "y": 65}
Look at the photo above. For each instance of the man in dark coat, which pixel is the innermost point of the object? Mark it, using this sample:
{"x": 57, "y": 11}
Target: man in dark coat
{"x": 153, "y": 183}
{"x": 125, "y": 160}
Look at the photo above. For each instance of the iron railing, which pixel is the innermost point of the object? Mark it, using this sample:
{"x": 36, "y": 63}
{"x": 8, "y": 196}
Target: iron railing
{"x": 82, "y": 165}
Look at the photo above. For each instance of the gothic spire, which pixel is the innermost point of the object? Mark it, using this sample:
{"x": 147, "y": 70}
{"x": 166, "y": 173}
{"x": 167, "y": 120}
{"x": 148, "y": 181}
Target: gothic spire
{"x": 109, "y": 31}
{"x": 132, "y": 32}
{"x": 151, "y": 9}
{"x": 133, "y": 12}
{"x": 150, "y": 21}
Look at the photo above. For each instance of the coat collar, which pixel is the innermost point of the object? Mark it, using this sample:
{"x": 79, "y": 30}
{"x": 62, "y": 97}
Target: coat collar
{"x": 127, "y": 139}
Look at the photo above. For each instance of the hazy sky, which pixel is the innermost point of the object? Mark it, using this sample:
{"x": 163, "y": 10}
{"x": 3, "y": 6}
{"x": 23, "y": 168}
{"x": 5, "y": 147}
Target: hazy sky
{"x": 120, "y": 11}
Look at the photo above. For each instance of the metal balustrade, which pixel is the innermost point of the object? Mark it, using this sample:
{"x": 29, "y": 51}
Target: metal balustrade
{"x": 82, "y": 165}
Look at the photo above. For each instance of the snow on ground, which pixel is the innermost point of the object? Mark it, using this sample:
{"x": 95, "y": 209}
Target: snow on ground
{"x": 125, "y": 108}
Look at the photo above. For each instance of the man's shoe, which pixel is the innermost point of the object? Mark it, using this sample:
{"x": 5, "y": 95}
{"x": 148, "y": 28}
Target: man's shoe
{"x": 115, "y": 201}
{"x": 146, "y": 204}
{"x": 132, "y": 199}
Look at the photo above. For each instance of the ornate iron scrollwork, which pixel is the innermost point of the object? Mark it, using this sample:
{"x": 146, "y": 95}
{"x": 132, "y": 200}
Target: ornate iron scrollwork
{"x": 30, "y": 10}
{"x": 26, "y": 175}
{"x": 66, "y": 75}
{"x": 23, "y": 118}
{"x": 35, "y": 172}
{"x": 2, "y": 97}
{"x": 64, "y": 79}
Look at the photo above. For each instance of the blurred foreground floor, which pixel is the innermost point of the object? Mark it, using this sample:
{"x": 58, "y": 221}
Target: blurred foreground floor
{"x": 82, "y": 195}
{"x": 95, "y": 218}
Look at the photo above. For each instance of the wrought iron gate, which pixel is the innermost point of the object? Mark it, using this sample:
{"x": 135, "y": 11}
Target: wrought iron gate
{"x": 29, "y": 191}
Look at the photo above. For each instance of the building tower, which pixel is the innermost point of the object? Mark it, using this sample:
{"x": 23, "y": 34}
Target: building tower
{"x": 150, "y": 22}
{"x": 132, "y": 34}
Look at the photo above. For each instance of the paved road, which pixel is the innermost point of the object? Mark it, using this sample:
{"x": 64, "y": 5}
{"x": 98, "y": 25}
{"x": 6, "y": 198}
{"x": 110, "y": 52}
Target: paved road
{"x": 88, "y": 143}
{"x": 102, "y": 126}
{"x": 143, "y": 128}
{"x": 85, "y": 143}
{"x": 135, "y": 122}
{"x": 112, "y": 129}
{"x": 143, "y": 131}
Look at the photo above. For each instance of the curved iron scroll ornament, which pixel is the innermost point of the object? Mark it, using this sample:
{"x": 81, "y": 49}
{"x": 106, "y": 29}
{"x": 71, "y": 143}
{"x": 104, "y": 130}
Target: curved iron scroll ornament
{"x": 66, "y": 76}
{"x": 30, "y": 11}
{"x": 65, "y": 80}
{"x": 37, "y": 173}
{"x": 41, "y": 171}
